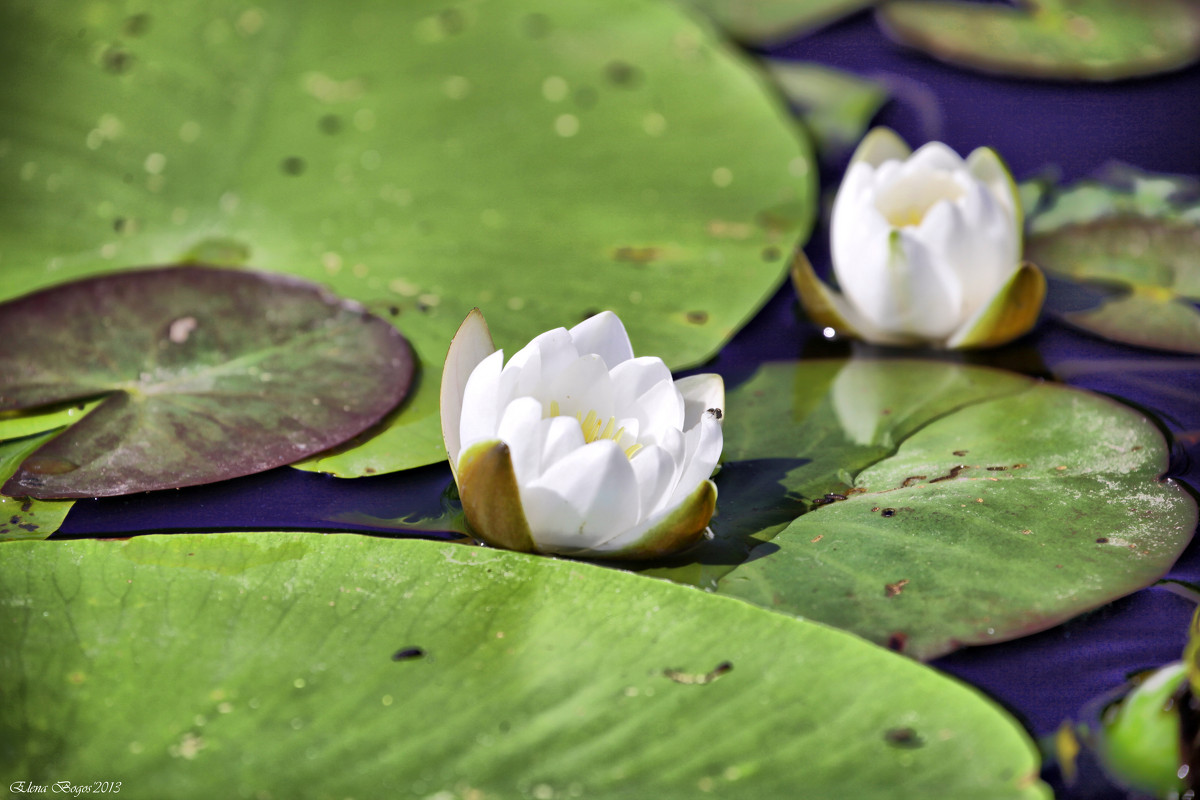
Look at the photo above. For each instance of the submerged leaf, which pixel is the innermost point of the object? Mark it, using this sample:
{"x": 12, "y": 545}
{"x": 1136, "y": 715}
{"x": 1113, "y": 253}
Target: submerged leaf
{"x": 1055, "y": 39}
{"x": 836, "y": 106}
{"x": 378, "y": 659}
{"x": 928, "y": 505}
{"x": 206, "y": 374}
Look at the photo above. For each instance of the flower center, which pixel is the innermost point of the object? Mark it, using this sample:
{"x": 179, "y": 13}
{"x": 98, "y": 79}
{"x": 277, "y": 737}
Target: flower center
{"x": 908, "y": 200}
{"x": 594, "y": 428}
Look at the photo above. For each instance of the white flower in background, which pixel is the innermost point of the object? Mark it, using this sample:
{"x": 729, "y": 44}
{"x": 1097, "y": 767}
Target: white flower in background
{"x": 576, "y": 447}
{"x": 926, "y": 248}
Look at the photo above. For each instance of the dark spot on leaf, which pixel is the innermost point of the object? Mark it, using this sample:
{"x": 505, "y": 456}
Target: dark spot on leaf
{"x": 127, "y": 177}
{"x": 1019, "y": 466}
{"x": 293, "y": 165}
{"x": 997, "y": 469}
{"x": 623, "y": 74}
{"x": 394, "y": 310}
{"x": 691, "y": 678}
{"x": 136, "y": 25}
{"x": 28, "y": 526}
{"x": 893, "y": 589}
{"x": 408, "y": 654}
{"x": 953, "y": 473}
{"x": 897, "y": 641}
{"x": 505, "y": 726}
{"x": 903, "y": 737}
{"x": 771, "y": 253}
{"x": 1102, "y": 540}
{"x": 1136, "y": 447}
{"x": 14, "y": 520}
{"x": 638, "y": 255}
{"x": 831, "y": 496}
{"x": 697, "y": 317}
{"x": 888, "y": 512}
{"x": 119, "y": 224}
{"x": 369, "y": 470}
{"x": 117, "y": 60}
{"x": 961, "y": 453}
{"x": 330, "y": 124}
{"x": 27, "y": 505}
{"x": 535, "y": 26}
{"x": 910, "y": 480}
{"x": 452, "y": 21}
{"x": 586, "y": 97}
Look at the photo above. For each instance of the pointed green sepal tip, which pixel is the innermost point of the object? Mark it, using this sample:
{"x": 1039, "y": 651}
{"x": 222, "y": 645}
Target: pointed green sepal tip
{"x": 682, "y": 528}
{"x": 879, "y": 145}
{"x": 1011, "y": 313}
{"x": 823, "y": 305}
{"x": 491, "y": 499}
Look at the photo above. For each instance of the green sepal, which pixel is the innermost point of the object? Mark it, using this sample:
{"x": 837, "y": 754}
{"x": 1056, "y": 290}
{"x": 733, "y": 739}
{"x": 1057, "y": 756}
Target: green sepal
{"x": 491, "y": 499}
{"x": 1012, "y": 312}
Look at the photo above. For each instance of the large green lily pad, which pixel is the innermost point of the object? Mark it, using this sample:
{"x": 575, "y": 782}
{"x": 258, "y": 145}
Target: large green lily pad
{"x": 765, "y": 22}
{"x": 207, "y": 374}
{"x": 540, "y": 160}
{"x": 1056, "y": 39}
{"x": 978, "y": 505}
{"x": 1144, "y": 271}
{"x": 299, "y": 665}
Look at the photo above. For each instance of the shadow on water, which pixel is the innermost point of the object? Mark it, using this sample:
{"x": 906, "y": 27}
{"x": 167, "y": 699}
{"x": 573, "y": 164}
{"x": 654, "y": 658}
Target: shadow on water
{"x": 753, "y": 506}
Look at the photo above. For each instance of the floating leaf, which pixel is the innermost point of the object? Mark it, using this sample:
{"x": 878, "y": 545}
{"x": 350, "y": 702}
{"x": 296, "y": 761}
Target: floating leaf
{"x": 25, "y": 517}
{"x": 1151, "y": 266}
{"x": 836, "y": 106}
{"x": 15, "y": 423}
{"x": 541, "y": 160}
{"x": 1055, "y": 39}
{"x": 931, "y": 505}
{"x": 765, "y": 22}
{"x": 1120, "y": 191}
{"x": 208, "y": 374}
{"x": 379, "y": 661}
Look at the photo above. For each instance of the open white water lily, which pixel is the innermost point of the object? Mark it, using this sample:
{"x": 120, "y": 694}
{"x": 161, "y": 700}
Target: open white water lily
{"x": 926, "y": 248}
{"x": 577, "y": 447}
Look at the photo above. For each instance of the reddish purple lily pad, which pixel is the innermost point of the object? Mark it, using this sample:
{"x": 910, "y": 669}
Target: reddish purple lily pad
{"x": 207, "y": 374}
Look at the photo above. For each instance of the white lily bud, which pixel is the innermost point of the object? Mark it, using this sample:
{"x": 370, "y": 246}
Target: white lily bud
{"x": 926, "y": 248}
{"x": 576, "y": 447}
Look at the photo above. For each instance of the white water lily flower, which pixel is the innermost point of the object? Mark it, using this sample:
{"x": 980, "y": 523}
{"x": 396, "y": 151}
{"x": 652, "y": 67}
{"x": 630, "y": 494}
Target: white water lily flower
{"x": 926, "y": 247}
{"x": 577, "y": 447}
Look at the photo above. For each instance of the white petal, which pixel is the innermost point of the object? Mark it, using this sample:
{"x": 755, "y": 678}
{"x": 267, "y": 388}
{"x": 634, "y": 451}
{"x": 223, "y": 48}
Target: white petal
{"x": 561, "y": 435}
{"x": 704, "y": 443}
{"x": 660, "y": 408}
{"x": 986, "y": 165}
{"x": 470, "y": 345}
{"x": 522, "y": 430}
{"x": 590, "y": 495}
{"x": 480, "y": 414}
{"x": 934, "y": 156}
{"x": 604, "y": 335}
{"x": 633, "y": 378}
{"x": 540, "y": 360}
{"x": 700, "y": 393}
{"x": 580, "y": 387}
{"x": 656, "y": 473}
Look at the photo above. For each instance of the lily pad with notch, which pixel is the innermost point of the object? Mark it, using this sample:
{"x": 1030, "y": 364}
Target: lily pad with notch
{"x": 935, "y": 505}
{"x": 205, "y": 373}
{"x": 541, "y": 159}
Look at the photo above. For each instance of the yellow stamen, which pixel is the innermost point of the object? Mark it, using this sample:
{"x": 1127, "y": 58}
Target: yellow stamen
{"x": 595, "y": 428}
